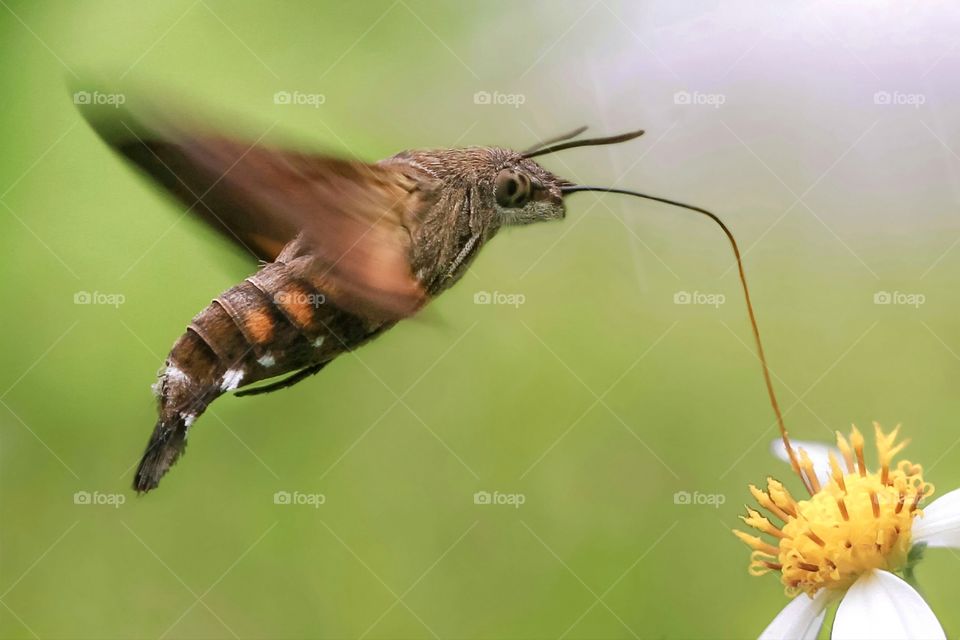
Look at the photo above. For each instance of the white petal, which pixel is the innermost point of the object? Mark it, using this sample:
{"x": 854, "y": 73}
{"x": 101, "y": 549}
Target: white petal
{"x": 799, "y": 620}
{"x": 819, "y": 455}
{"x": 880, "y": 605}
{"x": 940, "y": 524}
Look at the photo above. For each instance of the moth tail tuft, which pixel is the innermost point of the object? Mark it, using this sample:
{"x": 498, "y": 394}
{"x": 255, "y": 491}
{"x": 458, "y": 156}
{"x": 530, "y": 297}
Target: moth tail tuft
{"x": 167, "y": 444}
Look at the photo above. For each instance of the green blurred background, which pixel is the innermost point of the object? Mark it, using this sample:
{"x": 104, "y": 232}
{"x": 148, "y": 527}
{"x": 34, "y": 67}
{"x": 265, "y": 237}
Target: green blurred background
{"x": 597, "y": 399}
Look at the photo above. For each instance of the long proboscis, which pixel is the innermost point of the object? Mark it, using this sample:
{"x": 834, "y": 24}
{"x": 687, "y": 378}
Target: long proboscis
{"x": 746, "y": 294}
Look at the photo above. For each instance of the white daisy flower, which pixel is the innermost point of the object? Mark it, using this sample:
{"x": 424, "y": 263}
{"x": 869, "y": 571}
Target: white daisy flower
{"x": 848, "y": 539}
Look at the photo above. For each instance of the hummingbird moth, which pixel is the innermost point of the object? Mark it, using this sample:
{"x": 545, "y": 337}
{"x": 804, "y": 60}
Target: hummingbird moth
{"x": 346, "y": 249}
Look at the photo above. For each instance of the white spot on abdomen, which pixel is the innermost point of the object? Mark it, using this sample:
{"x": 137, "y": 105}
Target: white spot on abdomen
{"x": 174, "y": 374}
{"x": 318, "y": 342}
{"x": 267, "y": 360}
{"x": 188, "y": 419}
{"x": 171, "y": 375}
{"x": 231, "y": 379}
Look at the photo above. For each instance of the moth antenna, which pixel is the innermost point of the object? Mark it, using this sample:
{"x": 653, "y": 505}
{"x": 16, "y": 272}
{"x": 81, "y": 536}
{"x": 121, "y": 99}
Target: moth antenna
{"x": 587, "y": 142}
{"x": 794, "y": 462}
{"x": 560, "y": 138}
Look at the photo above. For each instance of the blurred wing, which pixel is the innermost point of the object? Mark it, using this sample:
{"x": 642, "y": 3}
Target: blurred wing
{"x": 354, "y": 219}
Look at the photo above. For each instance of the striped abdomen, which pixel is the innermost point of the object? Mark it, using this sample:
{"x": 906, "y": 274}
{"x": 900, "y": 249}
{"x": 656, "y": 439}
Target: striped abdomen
{"x": 273, "y": 323}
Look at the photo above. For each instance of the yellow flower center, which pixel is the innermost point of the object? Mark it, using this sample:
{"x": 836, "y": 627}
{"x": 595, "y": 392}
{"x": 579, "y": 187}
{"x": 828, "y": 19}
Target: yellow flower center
{"x": 860, "y": 520}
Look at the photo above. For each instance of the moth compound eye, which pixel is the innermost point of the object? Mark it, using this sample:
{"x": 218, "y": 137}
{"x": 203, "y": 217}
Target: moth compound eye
{"x": 511, "y": 189}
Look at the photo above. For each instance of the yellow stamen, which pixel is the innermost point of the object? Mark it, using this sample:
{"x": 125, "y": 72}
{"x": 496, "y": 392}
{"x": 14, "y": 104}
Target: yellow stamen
{"x": 756, "y": 543}
{"x": 835, "y": 471}
{"x": 758, "y": 522}
{"x": 844, "y": 447}
{"x": 856, "y": 439}
{"x": 781, "y": 497}
{"x": 886, "y": 450}
{"x": 761, "y": 563}
{"x": 806, "y": 465}
{"x": 843, "y": 508}
{"x": 767, "y": 503}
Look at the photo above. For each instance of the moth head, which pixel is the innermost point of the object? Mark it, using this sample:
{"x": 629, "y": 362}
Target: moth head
{"x": 524, "y": 192}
